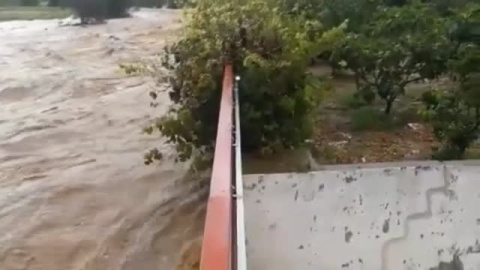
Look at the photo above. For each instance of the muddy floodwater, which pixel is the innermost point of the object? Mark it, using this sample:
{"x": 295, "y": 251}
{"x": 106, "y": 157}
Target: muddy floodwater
{"x": 74, "y": 192}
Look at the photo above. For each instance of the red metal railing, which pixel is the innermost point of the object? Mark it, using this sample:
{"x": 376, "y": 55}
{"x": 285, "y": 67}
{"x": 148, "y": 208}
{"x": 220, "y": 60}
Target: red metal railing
{"x": 217, "y": 237}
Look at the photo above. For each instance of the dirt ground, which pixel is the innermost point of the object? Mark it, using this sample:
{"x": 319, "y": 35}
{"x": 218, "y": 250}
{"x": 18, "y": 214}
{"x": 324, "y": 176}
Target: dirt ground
{"x": 336, "y": 141}
{"x": 74, "y": 192}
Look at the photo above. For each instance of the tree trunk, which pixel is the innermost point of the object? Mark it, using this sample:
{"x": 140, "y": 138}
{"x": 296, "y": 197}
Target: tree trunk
{"x": 389, "y": 106}
{"x": 357, "y": 81}
{"x": 462, "y": 150}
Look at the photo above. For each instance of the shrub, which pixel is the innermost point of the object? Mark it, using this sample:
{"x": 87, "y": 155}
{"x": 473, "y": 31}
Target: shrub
{"x": 89, "y": 9}
{"x": 117, "y": 8}
{"x": 455, "y": 114}
{"x": 149, "y": 3}
{"x": 350, "y": 102}
{"x": 372, "y": 119}
{"x": 53, "y": 3}
{"x": 455, "y": 123}
{"x": 59, "y": 3}
{"x": 269, "y": 50}
{"x": 30, "y": 2}
{"x": 99, "y": 9}
{"x": 369, "y": 118}
{"x": 173, "y": 4}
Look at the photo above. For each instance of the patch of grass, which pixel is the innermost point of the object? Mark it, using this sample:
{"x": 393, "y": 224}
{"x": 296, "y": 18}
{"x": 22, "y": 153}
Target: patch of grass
{"x": 473, "y": 152}
{"x": 374, "y": 119}
{"x": 351, "y": 102}
{"x": 33, "y": 13}
{"x": 370, "y": 118}
{"x": 408, "y": 115}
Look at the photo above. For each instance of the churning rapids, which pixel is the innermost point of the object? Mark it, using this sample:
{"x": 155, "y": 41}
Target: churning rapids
{"x": 74, "y": 192}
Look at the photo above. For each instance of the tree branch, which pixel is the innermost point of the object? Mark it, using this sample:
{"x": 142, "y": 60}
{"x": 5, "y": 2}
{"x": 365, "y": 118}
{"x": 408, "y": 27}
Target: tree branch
{"x": 407, "y": 81}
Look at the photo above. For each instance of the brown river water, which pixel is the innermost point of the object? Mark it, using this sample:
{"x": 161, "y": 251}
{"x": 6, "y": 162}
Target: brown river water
{"x": 74, "y": 192}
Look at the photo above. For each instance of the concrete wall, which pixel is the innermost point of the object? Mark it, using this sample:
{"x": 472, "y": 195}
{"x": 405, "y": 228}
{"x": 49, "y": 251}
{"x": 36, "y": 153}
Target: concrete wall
{"x": 383, "y": 217}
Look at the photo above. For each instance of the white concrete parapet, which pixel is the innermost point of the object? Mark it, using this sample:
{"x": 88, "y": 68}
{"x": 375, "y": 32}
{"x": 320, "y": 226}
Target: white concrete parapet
{"x": 385, "y": 217}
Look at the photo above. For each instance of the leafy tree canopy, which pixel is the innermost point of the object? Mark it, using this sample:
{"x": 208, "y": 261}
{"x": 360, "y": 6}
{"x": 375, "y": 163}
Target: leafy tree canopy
{"x": 455, "y": 114}
{"x": 270, "y": 50}
{"x": 400, "y": 46}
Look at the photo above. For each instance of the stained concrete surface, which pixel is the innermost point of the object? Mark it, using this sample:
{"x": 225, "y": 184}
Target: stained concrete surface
{"x": 388, "y": 217}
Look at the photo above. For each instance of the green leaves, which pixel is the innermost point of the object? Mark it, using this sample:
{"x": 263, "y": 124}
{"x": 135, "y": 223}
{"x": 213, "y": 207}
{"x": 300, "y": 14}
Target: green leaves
{"x": 270, "y": 47}
{"x": 455, "y": 114}
{"x": 399, "y": 46}
{"x": 455, "y": 123}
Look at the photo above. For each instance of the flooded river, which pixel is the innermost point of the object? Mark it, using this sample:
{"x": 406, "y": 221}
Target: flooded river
{"x": 74, "y": 192}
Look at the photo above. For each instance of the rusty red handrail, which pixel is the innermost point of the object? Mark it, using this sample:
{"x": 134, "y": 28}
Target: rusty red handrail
{"x": 217, "y": 236}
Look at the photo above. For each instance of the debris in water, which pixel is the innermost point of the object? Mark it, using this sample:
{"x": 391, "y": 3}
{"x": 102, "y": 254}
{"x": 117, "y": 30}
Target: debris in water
{"x": 301, "y": 247}
{"x": 321, "y": 187}
{"x": 296, "y": 195}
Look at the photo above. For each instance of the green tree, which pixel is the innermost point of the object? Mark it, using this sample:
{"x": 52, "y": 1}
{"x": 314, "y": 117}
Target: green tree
{"x": 30, "y": 2}
{"x": 269, "y": 49}
{"x": 356, "y": 12}
{"x": 149, "y": 3}
{"x": 449, "y": 7}
{"x": 401, "y": 45}
{"x": 53, "y": 3}
{"x": 99, "y": 10}
{"x": 455, "y": 114}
